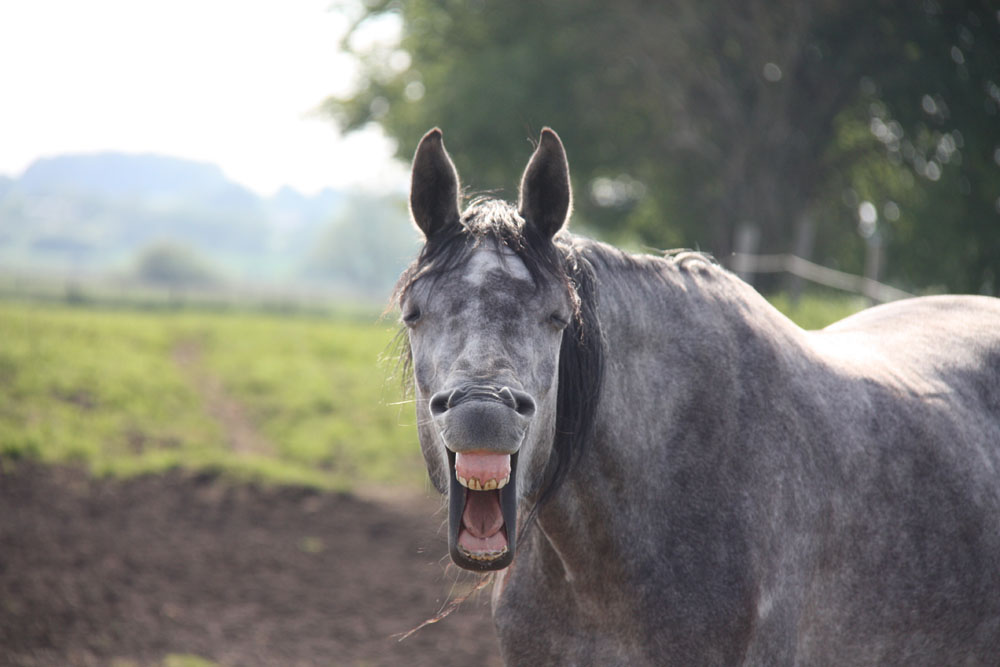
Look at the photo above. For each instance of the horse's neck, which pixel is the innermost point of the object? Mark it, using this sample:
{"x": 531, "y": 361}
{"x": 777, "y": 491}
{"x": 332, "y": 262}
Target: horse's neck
{"x": 677, "y": 347}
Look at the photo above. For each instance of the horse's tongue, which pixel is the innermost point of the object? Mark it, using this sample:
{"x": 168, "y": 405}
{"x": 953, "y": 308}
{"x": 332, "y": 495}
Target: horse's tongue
{"x": 482, "y": 516}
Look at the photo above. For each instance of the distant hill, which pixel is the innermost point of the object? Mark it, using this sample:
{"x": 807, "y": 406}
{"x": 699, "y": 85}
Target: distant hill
{"x": 95, "y": 213}
{"x": 126, "y": 175}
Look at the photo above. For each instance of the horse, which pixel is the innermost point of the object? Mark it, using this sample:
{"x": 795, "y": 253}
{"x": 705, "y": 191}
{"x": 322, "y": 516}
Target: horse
{"x": 659, "y": 468}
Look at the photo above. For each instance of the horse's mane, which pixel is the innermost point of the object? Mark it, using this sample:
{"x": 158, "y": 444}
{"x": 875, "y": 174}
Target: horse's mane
{"x": 581, "y": 358}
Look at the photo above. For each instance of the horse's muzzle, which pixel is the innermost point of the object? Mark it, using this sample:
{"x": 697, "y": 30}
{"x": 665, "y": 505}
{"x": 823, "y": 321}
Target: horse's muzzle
{"x": 482, "y": 418}
{"x": 515, "y": 399}
{"x": 483, "y": 428}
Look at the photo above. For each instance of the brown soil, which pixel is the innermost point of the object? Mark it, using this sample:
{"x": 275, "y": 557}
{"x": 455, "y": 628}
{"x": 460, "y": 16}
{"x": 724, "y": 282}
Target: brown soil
{"x": 104, "y": 572}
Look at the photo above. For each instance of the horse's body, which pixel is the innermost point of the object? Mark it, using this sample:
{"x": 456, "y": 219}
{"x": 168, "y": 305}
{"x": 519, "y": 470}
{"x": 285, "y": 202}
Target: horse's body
{"x": 747, "y": 492}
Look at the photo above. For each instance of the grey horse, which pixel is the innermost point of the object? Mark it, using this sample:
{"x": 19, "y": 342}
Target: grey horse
{"x": 664, "y": 470}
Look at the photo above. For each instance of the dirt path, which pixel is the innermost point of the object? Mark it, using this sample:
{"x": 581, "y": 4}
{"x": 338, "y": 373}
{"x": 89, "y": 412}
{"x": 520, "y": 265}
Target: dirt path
{"x": 241, "y": 435}
{"x": 127, "y": 572}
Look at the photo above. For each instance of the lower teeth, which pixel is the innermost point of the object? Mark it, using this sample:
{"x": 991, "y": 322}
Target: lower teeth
{"x": 484, "y": 555}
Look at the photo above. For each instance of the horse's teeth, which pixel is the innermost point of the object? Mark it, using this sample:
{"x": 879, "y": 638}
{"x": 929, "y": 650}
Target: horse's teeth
{"x": 474, "y": 484}
{"x": 484, "y": 555}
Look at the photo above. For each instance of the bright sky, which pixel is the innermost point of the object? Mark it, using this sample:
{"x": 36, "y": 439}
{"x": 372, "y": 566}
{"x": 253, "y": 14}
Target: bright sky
{"x": 233, "y": 82}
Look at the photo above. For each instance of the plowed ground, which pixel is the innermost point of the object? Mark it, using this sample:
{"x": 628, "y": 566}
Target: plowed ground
{"x": 141, "y": 571}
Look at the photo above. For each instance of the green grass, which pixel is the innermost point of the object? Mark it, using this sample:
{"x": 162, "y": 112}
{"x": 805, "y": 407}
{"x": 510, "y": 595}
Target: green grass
{"x": 129, "y": 392}
{"x": 126, "y": 392}
{"x": 187, "y": 660}
{"x": 814, "y": 311}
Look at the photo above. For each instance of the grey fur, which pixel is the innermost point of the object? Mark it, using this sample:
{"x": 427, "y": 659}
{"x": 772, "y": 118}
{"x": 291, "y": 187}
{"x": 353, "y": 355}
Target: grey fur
{"x": 751, "y": 493}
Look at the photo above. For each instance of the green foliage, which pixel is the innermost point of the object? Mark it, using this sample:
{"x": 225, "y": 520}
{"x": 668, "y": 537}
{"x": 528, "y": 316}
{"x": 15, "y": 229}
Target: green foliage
{"x": 922, "y": 138}
{"x": 126, "y": 392}
{"x": 817, "y": 311}
{"x": 686, "y": 119}
{"x": 366, "y": 247}
{"x": 173, "y": 265}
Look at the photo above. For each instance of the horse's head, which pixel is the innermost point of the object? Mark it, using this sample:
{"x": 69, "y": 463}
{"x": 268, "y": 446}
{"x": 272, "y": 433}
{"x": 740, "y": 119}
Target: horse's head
{"x": 487, "y": 303}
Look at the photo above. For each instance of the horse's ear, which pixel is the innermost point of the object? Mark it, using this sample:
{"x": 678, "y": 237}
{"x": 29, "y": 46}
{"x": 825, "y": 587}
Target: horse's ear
{"x": 433, "y": 186}
{"x": 546, "y": 196}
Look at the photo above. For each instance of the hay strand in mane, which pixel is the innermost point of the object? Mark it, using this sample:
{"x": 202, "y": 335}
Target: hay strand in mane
{"x": 446, "y": 611}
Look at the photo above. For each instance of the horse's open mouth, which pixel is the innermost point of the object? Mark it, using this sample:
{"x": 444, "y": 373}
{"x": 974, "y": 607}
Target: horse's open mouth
{"x": 482, "y": 510}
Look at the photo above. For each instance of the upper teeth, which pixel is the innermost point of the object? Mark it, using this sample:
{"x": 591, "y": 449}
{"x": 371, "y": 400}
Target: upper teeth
{"x": 476, "y": 485}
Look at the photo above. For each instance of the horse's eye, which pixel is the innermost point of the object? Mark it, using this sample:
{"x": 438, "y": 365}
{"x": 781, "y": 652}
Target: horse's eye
{"x": 558, "y": 321}
{"x": 411, "y": 317}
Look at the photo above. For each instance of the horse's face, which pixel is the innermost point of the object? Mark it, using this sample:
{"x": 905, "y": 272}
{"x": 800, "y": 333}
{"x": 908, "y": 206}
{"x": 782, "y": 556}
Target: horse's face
{"x": 485, "y": 346}
{"x": 484, "y": 337}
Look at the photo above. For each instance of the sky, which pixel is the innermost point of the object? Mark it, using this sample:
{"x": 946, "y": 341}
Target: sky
{"x": 235, "y": 83}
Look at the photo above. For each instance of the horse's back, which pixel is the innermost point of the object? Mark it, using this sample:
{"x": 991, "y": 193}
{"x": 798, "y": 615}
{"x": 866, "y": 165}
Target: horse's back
{"x": 942, "y": 341}
{"x": 930, "y": 365}
{"x": 974, "y": 319}
{"x": 916, "y": 524}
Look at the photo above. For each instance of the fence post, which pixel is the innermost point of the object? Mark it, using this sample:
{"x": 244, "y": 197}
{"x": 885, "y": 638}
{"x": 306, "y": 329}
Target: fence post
{"x": 805, "y": 238}
{"x": 747, "y": 240}
{"x": 873, "y": 261}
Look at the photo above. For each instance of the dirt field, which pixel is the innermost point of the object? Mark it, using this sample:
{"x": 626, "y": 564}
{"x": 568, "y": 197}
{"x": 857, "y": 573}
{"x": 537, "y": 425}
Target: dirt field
{"x": 127, "y": 573}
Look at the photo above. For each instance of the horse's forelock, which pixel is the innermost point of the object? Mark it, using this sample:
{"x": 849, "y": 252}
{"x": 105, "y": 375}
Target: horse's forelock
{"x": 486, "y": 220}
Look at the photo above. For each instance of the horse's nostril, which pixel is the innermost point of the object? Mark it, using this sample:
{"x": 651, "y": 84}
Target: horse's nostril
{"x": 440, "y": 402}
{"x": 522, "y": 402}
{"x": 519, "y": 401}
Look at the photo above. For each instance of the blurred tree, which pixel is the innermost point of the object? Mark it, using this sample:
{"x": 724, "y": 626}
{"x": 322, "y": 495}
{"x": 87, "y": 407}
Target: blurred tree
{"x": 930, "y": 160}
{"x": 365, "y": 248}
{"x": 687, "y": 120}
{"x": 173, "y": 265}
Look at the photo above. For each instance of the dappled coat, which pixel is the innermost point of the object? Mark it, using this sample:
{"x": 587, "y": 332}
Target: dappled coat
{"x": 663, "y": 469}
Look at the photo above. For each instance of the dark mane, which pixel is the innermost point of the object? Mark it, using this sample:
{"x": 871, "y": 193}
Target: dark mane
{"x": 581, "y": 358}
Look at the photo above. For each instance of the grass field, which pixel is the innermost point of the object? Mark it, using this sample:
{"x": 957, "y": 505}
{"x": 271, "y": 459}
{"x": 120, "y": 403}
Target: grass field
{"x": 286, "y": 399}
{"x": 289, "y": 399}
{"x": 816, "y": 311}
